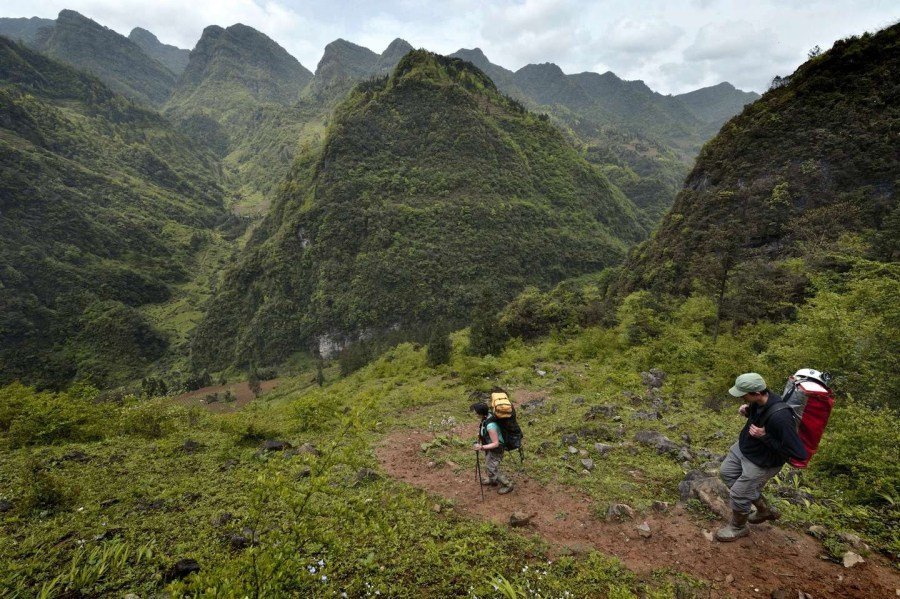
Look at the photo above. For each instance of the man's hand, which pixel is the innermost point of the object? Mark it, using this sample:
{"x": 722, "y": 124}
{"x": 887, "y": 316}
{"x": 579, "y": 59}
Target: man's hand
{"x": 743, "y": 410}
{"x": 477, "y": 447}
{"x": 756, "y": 431}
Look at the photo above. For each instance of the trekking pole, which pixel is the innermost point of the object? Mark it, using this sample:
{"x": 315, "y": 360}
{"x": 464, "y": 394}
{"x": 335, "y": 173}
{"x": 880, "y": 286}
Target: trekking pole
{"x": 478, "y": 473}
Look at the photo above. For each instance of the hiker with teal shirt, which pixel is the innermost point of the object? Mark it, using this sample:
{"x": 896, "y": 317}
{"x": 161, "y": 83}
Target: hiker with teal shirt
{"x": 490, "y": 441}
{"x": 766, "y": 442}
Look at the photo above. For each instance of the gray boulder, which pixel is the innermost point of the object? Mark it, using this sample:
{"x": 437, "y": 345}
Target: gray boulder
{"x": 657, "y": 440}
{"x": 708, "y": 490}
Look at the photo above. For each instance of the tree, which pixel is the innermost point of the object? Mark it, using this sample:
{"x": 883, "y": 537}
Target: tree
{"x": 814, "y": 51}
{"x": 253, "y": 382}
{"x": 486, "y": 336}
{"x": 440, "y": 347}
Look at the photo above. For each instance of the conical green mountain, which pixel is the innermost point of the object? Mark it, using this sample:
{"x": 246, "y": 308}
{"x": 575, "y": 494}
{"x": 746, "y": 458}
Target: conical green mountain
{"x": 102, "y": 205}
{"x": 431, "y": 187}
{"x": 804, "y": 175}
{"x": 112, "y": 57}
{"x": 239, "y": 94}
{"x": 173, "y": 58}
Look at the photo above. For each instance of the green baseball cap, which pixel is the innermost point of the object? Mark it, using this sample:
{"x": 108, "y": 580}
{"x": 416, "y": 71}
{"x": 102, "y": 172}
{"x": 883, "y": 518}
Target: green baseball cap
{"x": 749, "y": 382}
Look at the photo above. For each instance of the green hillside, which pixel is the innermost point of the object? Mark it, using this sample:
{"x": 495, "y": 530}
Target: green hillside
{"x": 23, "y": 29}
{"x": 803, "y": 181}
{"x": 113, "y": 58}
{"x": 239, "y": 95}
{"x": 102, "y": 206}
{"x": 431, "y": 186}
{"x": 718, "y": 103}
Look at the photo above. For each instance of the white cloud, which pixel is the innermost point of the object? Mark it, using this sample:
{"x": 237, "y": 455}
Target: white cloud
{"x": 673, "y": 46}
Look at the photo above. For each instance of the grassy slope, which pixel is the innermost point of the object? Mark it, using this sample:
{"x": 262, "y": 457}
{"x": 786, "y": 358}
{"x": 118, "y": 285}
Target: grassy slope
{"x": 380, "y": 535}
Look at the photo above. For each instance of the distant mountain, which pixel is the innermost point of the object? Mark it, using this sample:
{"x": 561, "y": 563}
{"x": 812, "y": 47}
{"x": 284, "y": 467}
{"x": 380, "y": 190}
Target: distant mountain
{"x": 344, "y": 64}
{"x": 23, "y": 29}
{"x": 174, "y": 59}
{"x": 239, "y": 94}
{"x": 431, "y": 187}
{"x": 102, "y": 207}
{"x": 116, "y": 60}
{"x": 502, "y": 77}
{"x": 718, "y": 103}
{"x": 803, "y": 178}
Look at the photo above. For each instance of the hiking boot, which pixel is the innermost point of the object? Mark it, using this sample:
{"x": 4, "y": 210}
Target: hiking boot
{"x": 505, "y": 489}
{"x": 488, "y": 482}
{"x": 735, "y": 529}
{"x": 763, "y": 512}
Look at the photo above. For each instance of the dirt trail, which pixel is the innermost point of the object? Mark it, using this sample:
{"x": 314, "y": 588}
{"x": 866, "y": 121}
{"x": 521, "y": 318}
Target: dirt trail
{"x": 770, "y": 558}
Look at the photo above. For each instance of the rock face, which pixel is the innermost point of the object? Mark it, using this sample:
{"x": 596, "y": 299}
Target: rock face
{"x": 658, "y": 441}
{"x": 174, "y": 59}
{"x": 709, "y": 490}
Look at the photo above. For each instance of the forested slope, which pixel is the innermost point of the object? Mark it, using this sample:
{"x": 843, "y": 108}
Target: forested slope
{"x": 431, "y": 186}
{"x": 101, "y": 204}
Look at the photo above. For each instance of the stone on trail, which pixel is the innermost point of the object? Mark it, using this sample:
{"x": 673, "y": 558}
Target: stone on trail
{"x": 644, "y": 530}
{"x": 583, "y": 453}
{"x": 851, "y": 559}
{"x": 708, "y": 490}
{"x": 517, "y": 519}
{"x": 708, "y": 535}
{"x": 661, "y": 506}
{"x": 817, "y": 531}
{"x": 573, "y": 450}
{"x": 729, "y": 579}
{"x": 588, "y": 464}
{"x": 620, "y": 511}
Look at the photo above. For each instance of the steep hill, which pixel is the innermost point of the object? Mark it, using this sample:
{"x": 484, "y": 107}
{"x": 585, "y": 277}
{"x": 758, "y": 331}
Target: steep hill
{"x": 173, "y": 58}
{"x": 239, "y": 94}
{"x": 23, "y": 29}
{"x": 718, "y": 103}
{"x": 345, "y": 64}
{"x": 116, "y": 60}
{"x": 802, "y": 179}
{"x": 102, "y": 205}
{"x": 431, "y": 187}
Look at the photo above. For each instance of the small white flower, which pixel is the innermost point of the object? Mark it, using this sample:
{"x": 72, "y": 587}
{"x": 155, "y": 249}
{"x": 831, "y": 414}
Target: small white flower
{"x": 321, "y": 563}
{"x": 324, "y": 578}
{"x": 312, "y": 569}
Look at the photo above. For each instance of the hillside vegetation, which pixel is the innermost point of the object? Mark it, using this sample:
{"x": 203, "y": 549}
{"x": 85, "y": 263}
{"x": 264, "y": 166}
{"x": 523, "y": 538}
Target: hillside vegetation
{"x": 799, "y": 189}
{"x": 102, "y": 206}
{"x": 431, "y": 186}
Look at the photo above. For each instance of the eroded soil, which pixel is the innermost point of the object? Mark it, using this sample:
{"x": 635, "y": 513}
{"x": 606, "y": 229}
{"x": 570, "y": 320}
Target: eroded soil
{"x": 771, "y": 558}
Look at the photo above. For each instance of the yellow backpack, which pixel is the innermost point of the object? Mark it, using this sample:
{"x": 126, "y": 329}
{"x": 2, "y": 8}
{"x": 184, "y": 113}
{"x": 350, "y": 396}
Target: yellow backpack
{"x": 501, "y": 406}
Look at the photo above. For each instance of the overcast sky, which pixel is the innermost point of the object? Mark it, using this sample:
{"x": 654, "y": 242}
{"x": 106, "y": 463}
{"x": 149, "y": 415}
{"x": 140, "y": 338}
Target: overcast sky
{"x": 674, "y": 45}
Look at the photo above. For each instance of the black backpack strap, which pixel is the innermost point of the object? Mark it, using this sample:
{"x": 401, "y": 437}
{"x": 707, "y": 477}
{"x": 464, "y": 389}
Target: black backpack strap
{"x": 767, "y": 415}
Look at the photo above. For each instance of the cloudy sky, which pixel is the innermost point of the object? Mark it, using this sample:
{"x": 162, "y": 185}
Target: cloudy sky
{"x": 674, "y": 45}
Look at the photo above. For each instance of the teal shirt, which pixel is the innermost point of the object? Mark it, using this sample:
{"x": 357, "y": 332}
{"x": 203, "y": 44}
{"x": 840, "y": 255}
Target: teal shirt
{"x": 492, "y": 426}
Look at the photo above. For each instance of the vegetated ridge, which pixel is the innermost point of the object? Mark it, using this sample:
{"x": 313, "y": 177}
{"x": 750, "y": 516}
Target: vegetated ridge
{"x": 110, "y": 56}
{"x": 430, "y": 187}
{"x": 102, "y": 205}
{"x": 239, "y": 95}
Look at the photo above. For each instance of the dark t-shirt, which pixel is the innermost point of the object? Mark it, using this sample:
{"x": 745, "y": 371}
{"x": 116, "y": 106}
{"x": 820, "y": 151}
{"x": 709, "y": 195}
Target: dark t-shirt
{"x": 781, "y": 440}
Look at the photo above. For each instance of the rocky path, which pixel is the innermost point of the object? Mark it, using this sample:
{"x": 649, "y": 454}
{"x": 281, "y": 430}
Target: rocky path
{"x": 771, "y": 561}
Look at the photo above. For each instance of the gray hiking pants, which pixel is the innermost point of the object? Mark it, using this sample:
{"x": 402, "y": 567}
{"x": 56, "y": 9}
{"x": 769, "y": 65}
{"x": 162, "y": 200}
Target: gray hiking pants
{"x": 745, "y": 479}
{"x": 492, "y": 459}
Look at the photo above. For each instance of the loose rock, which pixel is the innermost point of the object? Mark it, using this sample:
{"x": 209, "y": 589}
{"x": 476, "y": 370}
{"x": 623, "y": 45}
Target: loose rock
{"x": 654, "y": 378}
{"x": 661, "y": 506}
{"x": 620, "y": 511}
{"x": 657, "y": 440}
{"x": 517, "y": 519}
{"x": 851, "y": 559}
{"x": 573, "y": 450}
{"x": 817, "y": 531}
{"x": 603, "y": 448}
{"x": 645, "y": 415}
{"x": 570, "y": 439}
{"x": 600, "y": 411}
{"x": 729, "y": 579}
{"x": 709, "y": 490}
{"x": 273, "y": 445}
{"x": 644, "y": 530}
{"x": 588, "y": 464}
{"x": 181, "y": 569}
{"x": 540, "y": 372}
{"x": 5, "y": 505}
{"x": 685, "y": 455}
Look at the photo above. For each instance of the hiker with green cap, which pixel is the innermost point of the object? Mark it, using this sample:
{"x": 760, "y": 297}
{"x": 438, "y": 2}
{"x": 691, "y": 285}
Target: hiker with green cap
{"x": 766, "y": 442}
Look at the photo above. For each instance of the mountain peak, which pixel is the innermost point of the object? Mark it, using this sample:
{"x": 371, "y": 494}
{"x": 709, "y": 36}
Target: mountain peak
{"x": 398, "y": 45}
{"x": 173, "y": 58}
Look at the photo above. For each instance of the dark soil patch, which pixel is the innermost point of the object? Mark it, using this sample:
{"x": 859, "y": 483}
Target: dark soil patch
{"x": 770, "y": 558}
{"x": 240, "y": 391}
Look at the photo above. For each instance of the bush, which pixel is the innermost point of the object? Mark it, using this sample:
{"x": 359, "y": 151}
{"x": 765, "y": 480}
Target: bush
{"x": 439, "y": 349}
{"x": 147, "y": 419}
{"x": 44, "y": 490}
{"x": 33, "y": 418}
